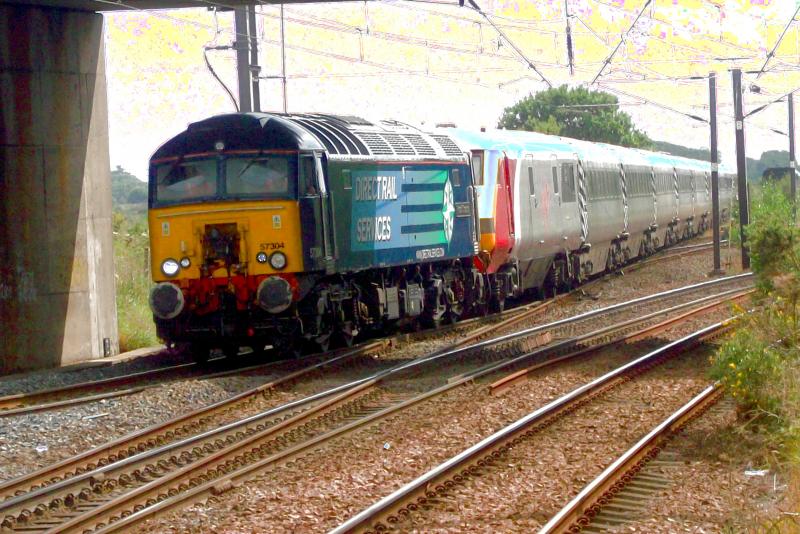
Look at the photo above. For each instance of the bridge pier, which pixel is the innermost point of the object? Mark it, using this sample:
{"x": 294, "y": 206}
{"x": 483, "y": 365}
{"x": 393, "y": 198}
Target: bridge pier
{"x": 57, "y": 301}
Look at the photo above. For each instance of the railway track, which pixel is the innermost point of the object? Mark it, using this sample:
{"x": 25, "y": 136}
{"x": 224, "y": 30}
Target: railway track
{"x": 127, "y": 384}
{"x": 212, "y": 462}
{"x": 391, "y": 512}
{"x": 91, "y": 391}
{"x": 604, "y": 502}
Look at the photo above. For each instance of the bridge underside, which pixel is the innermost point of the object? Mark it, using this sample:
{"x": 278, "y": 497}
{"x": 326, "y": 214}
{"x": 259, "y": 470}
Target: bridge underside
{"x": 57, "y": 302}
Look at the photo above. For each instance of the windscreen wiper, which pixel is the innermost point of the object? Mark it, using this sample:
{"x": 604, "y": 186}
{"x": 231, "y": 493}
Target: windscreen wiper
{"x": 249, "y": 164}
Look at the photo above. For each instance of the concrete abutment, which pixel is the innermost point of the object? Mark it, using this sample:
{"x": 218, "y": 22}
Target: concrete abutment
{"x": 57, "y": 297}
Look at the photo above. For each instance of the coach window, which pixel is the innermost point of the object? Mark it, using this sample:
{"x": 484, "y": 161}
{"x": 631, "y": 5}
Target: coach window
{"x": 477, "y": 167}
{"x": 555, "y": 179}
{"x": 567, "y": 182}
{"x": 531, "y": 180}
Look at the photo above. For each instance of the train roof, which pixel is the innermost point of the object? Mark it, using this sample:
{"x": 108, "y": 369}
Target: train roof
{"x": 342, "y": 137}
{"x": 510, "y": 140}
{"x": 516, "y": 140}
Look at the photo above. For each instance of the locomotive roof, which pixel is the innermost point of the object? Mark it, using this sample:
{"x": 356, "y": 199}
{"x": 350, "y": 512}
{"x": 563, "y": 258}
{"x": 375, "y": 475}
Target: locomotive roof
{"x": 342, "y": 137}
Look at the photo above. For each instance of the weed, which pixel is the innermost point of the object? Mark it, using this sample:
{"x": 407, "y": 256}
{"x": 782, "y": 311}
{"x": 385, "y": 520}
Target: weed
{"x": 132, "y": 273}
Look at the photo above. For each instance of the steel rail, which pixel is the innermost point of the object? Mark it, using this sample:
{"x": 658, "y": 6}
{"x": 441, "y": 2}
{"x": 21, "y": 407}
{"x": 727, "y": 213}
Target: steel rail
{"x": 459, "y": 465}
{"x": 148, "y": 437}
{"x": 122, "y": 521}
{"x": 717, "y": 300}
{"x": 17, "y": 505}
{"x": 589, "y": 500}
{"x": 9, "y": 402}
{"x": 35, "y": 401}
{"x": 586, "y": 315}
{"x": 21, "y": 500}
{"x": 123, "y": 444}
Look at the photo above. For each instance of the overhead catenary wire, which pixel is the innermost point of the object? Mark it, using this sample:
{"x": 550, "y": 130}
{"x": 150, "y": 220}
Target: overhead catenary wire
{"x": 778, "y": 42}
{"x": 212, "y": 45}
{"x": 634, "y": 63}
{"x": 622, "y": 40}
{"x": 656, "y": 104}
{"x": 502, "y": 34}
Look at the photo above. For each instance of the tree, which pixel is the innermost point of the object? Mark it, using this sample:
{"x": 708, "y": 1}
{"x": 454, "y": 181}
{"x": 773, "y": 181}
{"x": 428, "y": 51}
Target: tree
{"x": 577, "y": 113}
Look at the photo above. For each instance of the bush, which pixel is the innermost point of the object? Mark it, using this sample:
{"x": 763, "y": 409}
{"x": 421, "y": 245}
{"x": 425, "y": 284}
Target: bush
{"x": 132, "y": 274}
{"x": 760, "y": 363}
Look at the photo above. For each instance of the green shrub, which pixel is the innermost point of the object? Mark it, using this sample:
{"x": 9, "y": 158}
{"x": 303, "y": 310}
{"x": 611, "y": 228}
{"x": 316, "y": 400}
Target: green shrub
{"x": 132, "y": 274}
{"x": 760, "y": 363}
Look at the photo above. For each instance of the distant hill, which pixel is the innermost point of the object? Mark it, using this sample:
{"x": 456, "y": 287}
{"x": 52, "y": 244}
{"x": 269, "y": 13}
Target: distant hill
{"x": 127, "y": 188}
{"x": 683, "y": 151}
{"x": 128, "y": 193}
{"x": 755, "y": 167}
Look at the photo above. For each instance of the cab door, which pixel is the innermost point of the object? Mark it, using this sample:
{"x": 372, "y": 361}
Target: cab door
{"x": 316, "y": 222}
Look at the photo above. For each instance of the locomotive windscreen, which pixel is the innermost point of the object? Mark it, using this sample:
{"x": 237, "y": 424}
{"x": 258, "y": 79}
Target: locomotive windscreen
{"x": 234, "y": 177}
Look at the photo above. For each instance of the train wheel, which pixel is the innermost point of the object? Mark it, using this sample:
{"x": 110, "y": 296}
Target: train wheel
{"x": 323, "y": 343}
{"x": 497, "y": 304}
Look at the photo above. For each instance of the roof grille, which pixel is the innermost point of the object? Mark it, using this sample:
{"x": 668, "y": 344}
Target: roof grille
{"x": 349, "y": 119}
{"x": 422, "y": 147}
{"x": 376, "y": 143}
{"x": 447, "y": 144}
{"x": 400, "y": 145}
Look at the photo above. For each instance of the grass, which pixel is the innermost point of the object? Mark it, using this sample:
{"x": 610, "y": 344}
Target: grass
{"x": 132, "y": 274}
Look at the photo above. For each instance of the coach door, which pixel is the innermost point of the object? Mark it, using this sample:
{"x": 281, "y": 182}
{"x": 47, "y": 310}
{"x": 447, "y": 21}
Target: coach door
{"x": 570, "y": 211}
{"x": 530, "y": 188}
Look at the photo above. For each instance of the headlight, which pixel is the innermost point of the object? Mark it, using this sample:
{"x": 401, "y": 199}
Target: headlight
{"x": 278, "y": 260}
{"x": 185, "y": 262}
{"x": 261, "y": 257}
{"x": 170, "y": 267}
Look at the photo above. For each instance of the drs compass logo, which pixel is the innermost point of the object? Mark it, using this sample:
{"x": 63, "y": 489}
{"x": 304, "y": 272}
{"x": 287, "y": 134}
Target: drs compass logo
{"x": 448, "y": 210}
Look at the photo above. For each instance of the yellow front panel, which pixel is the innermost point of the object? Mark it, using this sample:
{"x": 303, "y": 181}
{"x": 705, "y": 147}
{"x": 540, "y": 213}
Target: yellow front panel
{"x": 265, "y": 225}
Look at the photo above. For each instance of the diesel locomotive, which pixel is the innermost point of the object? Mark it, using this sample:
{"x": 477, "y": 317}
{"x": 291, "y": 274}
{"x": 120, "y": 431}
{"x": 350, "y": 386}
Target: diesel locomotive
{"x": 299, "y": 230}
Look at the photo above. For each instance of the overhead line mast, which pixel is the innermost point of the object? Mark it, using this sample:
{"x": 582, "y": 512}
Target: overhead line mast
{"x": 570, "y": 53}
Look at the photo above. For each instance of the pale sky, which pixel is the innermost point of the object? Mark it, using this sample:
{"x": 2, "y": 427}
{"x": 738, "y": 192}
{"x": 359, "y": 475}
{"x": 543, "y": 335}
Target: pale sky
{"x": 424, "y": 64}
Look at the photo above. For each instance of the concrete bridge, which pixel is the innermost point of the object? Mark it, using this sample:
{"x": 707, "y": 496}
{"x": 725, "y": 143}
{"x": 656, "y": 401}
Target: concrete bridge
{"x": 57, "y": 300}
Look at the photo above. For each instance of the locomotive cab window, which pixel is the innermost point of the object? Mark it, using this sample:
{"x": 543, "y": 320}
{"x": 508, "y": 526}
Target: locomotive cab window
{"x": 308, "y": 179}
{"x": 183, "y": 181}
{"x": 255, "y": 176}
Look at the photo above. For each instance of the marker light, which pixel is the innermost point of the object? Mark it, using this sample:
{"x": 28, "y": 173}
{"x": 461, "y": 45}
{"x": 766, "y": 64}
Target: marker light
{"x": 261, "y": 257}
{"x": 185, "y": 262}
